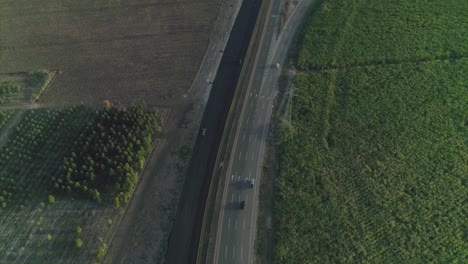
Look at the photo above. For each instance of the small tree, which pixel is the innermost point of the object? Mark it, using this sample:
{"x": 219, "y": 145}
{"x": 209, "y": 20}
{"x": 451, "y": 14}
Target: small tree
{"x": 49, "y": 237}
{"x": 51, "y": 199}
{"x": 78, "y": 230}
{"x": 78, "y": 243}
{"x": 101, "y": 251}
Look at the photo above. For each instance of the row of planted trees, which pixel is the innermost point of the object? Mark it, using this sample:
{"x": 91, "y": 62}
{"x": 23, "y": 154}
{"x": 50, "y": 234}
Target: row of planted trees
{"x": 108, "y": 155}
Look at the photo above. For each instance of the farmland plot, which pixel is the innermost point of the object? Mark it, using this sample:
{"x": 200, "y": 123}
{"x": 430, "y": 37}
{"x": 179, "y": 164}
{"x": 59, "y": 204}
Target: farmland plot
{"x": 346, "y": 33}
{"x": 143, "y": 51}
{"x": 37, "y": 226}
{"x": 373, "y": 163}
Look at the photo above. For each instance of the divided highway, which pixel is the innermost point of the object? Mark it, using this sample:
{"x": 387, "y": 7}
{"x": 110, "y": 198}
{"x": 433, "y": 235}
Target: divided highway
{"x": 185, "y": 235}
{"x": 235, "y": 236}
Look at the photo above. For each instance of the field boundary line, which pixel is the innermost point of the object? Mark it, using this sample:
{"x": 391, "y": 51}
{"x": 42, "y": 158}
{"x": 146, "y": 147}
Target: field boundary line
{"x": 319, "y": 69}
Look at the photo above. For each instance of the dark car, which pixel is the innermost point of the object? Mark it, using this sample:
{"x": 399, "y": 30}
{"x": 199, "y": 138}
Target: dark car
{"x": 242, "y": 205}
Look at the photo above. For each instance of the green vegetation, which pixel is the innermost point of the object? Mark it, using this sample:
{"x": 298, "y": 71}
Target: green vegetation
{"x": 40, "y": 151}
{"x": 5, "y": 116}
{"x": 108, "y": 153}
{"x": 345, "y": 33}
{"x": 38, "y": 79}
{"x": 7, "y": 89}
{"x": 373, "y": 162}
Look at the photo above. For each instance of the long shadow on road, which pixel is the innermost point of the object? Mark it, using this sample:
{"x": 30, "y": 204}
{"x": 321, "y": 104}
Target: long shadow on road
{"x": 184, "y": 238}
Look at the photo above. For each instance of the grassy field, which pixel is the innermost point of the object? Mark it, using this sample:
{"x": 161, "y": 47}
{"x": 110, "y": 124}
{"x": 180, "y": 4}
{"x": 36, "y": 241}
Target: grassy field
{"x": 39, "y": 227}
{"x": 144, "y": 51}
{"x": 373, "y": 163}
{"x": 346, "y": 33}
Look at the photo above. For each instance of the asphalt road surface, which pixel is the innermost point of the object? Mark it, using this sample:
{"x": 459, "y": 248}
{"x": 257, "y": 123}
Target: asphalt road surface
{"x": 237, "y": 228}
{"x": 184, "y": 239}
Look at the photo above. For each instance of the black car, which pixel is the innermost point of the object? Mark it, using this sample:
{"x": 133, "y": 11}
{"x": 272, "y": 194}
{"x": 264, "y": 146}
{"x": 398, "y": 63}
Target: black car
{"x": 242, "y": 204}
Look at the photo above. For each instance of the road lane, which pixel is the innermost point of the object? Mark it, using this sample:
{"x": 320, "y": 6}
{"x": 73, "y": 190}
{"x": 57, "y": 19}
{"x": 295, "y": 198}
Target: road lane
{"x": 255, "y": 124}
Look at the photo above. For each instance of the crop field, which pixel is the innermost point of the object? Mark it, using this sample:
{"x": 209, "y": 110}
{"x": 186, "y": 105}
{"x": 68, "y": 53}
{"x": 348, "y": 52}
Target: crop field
{"x": 373, "y": 163}
{"x": 143, "y": 51}
{"x": 347, "y": 33}
{"x": 39, "y": 224}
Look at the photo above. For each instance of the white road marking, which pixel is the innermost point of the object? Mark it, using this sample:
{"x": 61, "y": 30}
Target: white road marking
{"x": 250, "y": 138}
{"x": 229, "y": 222}
{"x": 263, "y": 105}
{"x": 242, "y": 252}
{"x": 233, "y": 251}
{"x": 243, "y": 227}
{"x": 246, "y": 198}
{"x": 248, "y": 119}
{"x": 232, "y": 177}
{"x": 232, "y": 198}
{"x": 225, "y": 252}
{"x": 243, "y": 138}
{"x": 253, "y": 155}
{"x": 236, "y": 225}
{"x": 240, "y": 155}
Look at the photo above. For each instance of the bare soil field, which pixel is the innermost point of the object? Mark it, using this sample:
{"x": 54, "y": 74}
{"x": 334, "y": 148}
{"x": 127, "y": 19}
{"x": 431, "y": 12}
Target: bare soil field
{"x": 141, "y": 51}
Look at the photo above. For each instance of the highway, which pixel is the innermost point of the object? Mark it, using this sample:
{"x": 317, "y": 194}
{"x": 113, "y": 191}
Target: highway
{"x": 236, "y": 229}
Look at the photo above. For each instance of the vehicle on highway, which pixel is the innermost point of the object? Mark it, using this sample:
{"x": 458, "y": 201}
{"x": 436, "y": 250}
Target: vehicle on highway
{"x": 242, "y": 205}
{"x": 277, "y": 65}
{"x": 203, "y": 132}
{"x": 251, "y": 183}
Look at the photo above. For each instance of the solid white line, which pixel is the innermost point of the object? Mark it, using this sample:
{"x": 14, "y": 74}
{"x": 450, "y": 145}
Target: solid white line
{"x": 229, "y": 223}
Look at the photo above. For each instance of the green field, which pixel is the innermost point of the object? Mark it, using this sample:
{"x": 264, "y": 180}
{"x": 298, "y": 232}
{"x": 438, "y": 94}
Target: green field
{"x": 345, "y": 33}
{"x": 39, "y": 223}
{"x": 373, "y": 163}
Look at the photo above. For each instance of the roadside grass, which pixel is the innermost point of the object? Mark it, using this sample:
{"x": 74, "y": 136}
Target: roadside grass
{"x": 35, "y": 226}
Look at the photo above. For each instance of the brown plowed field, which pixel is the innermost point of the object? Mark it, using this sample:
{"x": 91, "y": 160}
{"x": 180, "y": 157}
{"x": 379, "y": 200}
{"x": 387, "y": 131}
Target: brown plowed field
{"x": 125, "y": 51}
